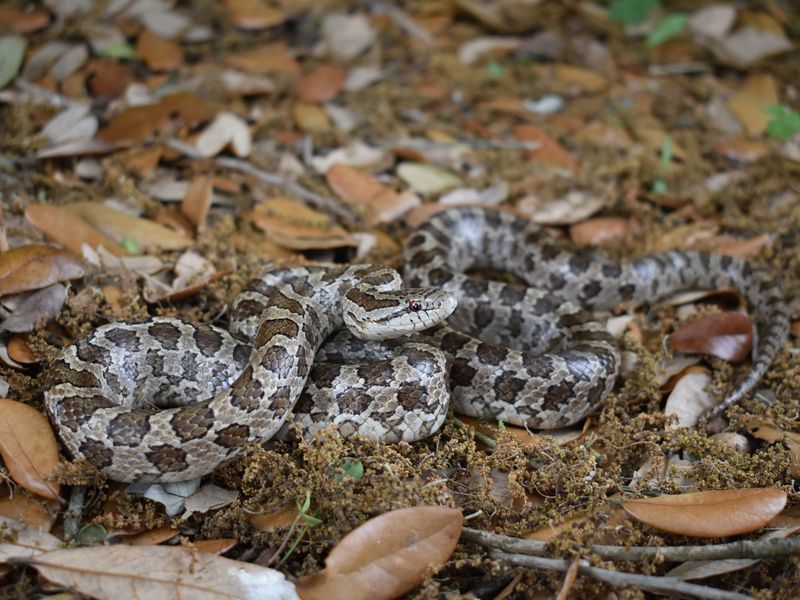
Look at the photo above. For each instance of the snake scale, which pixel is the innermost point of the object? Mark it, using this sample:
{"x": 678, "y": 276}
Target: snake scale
{"x": 170, "y": 400}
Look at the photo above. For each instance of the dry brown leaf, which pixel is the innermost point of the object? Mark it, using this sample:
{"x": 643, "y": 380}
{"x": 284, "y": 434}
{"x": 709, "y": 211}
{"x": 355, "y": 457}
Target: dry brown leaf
{"x": 69, "y": 230}
{"x": 716, "y": 513}
{"x": 108, "y": 77}
{"x": 33, "y": 511}
{"x": 726, "y": 335}
{"x": 254, "y": 14}
{"x": 310, "y": 117}
{"x": 28, "y": 447}
{"x": 20, "y": 351}
{"x": 36, "y": 266}
{"x": 197, "y": 201}
{"x": 603, "y": 230}
{"x": 381, "y": 203}
{"x": 218, "y": 546}
{"x": 140, "y": 122}
{"x": 742, "y": 150}
{"x": 117, "y": 225}
{"x": 24, "y": 21}
{"x": 549, "y": 151}
{"x": 152, "y": 537}
{"x": 571, "y": 77}
{"x": 769, "y": 432}
{"x": 162, "y": 572}
{"x": 268, "y": 58}
{"x": 615, "y": 519}
{"x": 158, "y": 53}
{"x": 386, "y": 556}
{"x": 281, "y": 517}
{"x": 759, "y": 91}
{"x": 297, "y": 227}
{"x": 321, "y": 84}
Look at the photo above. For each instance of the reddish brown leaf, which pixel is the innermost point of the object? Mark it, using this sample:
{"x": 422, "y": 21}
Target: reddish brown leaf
{"x": 727, "y": 335}
{"x": 28, "y": 447}
{"x": 254, "y": 14}
{"x": 19, "y": 351}
{"x": 158, "y": 53}
{"x": 218, "y": 546}
{"x": 197, "y": 201}
{"x": 107, "y": 77}
{"x": 602, "y": 230}
{"x": 151, "y": 537}
{"x": 710, "y": 514}
{"x": 140, "y": 122}
{"x": 321, "y": 84}
{"x": 549, "y": 151}
{"x": 24, "y": 22}
{"x": 381, "y": 203}
{"x": 36, "y": 266}
{"x": 69, "y": 230}
{"x": 36, "y": 512}
{"x": 269, "y": 58}
{"x": 386, "y": 556}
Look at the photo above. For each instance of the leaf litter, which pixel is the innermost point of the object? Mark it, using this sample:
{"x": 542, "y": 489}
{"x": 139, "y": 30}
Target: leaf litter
{"x": 325, "y": 136}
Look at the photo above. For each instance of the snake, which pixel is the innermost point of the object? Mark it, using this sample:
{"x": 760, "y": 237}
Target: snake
{"x": 125, "y": 398}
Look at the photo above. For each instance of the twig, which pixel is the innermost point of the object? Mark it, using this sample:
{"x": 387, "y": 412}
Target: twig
{"x": 662, "y": 585}
{"x": 74, "y": 513}
{"x": 765, "y": 548}
{"x": 317, "y": 200}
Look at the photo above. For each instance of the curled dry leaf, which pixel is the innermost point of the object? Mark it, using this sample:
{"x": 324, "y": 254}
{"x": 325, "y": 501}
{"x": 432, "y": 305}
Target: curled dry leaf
{"x": 297, "y": 227}
{"x": 19, "y": 350}
{"x": 226, "y": 128}
{"x": 197, "y": 201}
{"x": 769, "y": 432}
{"x": 381, "y": 203}
{"x": 710, "y": 514}
{"x": 36, "y": 266}
{"x": 321, "y": 84}
{"x": 549, "y": 150}
{"x": 727, "y": 335}
{"x": 32, "y": 306}
{"x": 386, "y": 556}
{"x": 28, "y": 447}
{"x": 69, "y": 230}
{"x": 690, "y": 398}
{"x": 159, "y": 572}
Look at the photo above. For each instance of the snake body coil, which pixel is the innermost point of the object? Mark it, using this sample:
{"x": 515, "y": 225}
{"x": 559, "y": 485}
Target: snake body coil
{"x": 126, "y": 397}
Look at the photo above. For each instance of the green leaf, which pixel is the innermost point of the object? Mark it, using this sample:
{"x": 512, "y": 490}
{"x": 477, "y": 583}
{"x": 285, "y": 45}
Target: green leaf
{"x": 631, "y": 12}
{"x": 120, "y": 50}
{"x": 94, "y": 533}
{"x": 659, "y": 186}
{"x": 12, "y": 50}
{"x": 303, "y": 508}
{"x": 311, "y": 520}
{"x": 130, "y": 245}
{"x": 668, "y": 28}
{"x": 666, "y": 154}
{"x": 350, "y": 467}
{"x": 784, "y": 122}
{"x": 495, "y": 70}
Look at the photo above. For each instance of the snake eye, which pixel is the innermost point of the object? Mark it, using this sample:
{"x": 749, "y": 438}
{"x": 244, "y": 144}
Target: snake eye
{"x": 414, "y": 306}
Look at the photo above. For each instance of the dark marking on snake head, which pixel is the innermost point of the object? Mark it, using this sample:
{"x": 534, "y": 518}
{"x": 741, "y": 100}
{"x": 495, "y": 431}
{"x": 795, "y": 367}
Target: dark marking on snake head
{"x": 370, "y": 301}
{"x": 453, "y": 341}
{"x": 167, "y": 458}
{"x": 233, "y": 436}
{"x": 92, "y": 353}
{"x": 166, "y": 333}
{"x": 129, "y": 428}
{"x": 63, "y": 373}
{"x": 439, "y": 276}
{"x": 123, "y": 338}
{"x": 97, "y": 453}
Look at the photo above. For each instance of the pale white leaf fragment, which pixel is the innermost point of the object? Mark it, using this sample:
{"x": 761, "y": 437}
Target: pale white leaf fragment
{"x": 347, "y": 35}
{"x": 209, "y": 497}
{"x": 575, "y": 206}
{"x": 713, "y": 20}
{"x": 357, "y": 155}
{"x": 473, "y": 50}
{"x": 690, "y": 398}
{"x": 74, "y": 123}
{"x": 427, "y": 179}
{"x": 226, "y": 128}
{"x": 21, "y": 540}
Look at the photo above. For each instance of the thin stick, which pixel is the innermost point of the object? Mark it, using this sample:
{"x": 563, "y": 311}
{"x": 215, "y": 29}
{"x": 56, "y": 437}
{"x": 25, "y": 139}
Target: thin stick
{"x": 317, "y": 200}
{"x": 765, "y": 548}
{"x": 663, "y": 585}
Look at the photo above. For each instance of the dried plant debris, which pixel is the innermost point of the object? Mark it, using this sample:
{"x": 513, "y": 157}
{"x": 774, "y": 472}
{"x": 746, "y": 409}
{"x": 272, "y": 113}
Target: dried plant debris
{"x": 155, "y": 156}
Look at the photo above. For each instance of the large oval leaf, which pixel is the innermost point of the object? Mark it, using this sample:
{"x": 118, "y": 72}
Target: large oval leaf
{"x": 160, "y": 572}
{"x": 28, "y": 447}
{"x": 710, "y": 514}
{"x": 36, "y": 266}
{"x": 386, "y": 556}
{"x": 727, "y": 335}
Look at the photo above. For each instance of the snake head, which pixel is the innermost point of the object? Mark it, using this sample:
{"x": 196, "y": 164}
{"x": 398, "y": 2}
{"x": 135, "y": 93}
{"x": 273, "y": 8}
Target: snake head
{"x": 384, "y": 315}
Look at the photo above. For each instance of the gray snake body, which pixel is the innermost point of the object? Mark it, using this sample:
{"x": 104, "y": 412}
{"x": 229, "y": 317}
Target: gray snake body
{"x": 522, "y": 354}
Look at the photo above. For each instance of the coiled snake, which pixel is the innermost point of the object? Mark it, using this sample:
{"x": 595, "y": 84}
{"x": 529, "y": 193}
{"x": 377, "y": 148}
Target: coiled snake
{"x": 524, "y": 355}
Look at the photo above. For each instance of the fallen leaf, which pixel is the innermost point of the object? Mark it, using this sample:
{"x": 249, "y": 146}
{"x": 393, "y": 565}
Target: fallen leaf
{"x": 226, "y": 128}
{"x": 727, "y": 335}
{"x": 295, "y": 226}
{"x": 748, "y": 45}
{"x": 197, "y": 201}
{"x": 152, "y": 537}
{"x": 209, "y": 497}
{"x": 12, "y": 50}
{"x": 387, "y": 556}
{"x": 427, "y": 179}
{"x": 741, "y": 247}
{"x": 716, "y": 513}
{"x": 166, "y": 572}
{"x": 28, "y": 447}
{"x": 574, "y": 207}
{"x": 690, "y": 397}
{"x": 310, "y": 117}
{"x": 267, "y": 58}
{"x": 742, "y": 151}
{"x": 33, "y": 306}
{"x": 283, "y": 516}
{"x": 217, "y": 546}
{"x": 549, "y": 150}
{"x": 470, "y": 52}
{"x": 321, "y": 84}
{"x": 21, "y": 540}
{"x": 758, "y": 91}
{"x": 108, "y": 78}
{"x": 33, "y": 511}
{"x": 24, "y": 21}
{"x": 347, "y": 35}
{"x": 769, "y": 432}
{"x": 117, "y": 225}
{"x": 19, "y": 351}
{"x": 69, "y": 230}
{"x": 36, "y": 266}
{"x": 158, "y": 53}
{"x": 602, "y": 230}
{"x": 254, "y": 14}
{"x": 380, "y": 203}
